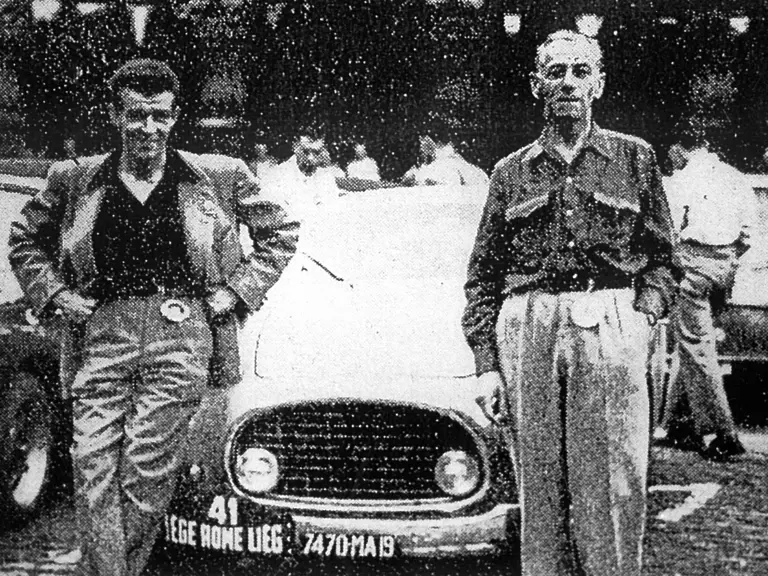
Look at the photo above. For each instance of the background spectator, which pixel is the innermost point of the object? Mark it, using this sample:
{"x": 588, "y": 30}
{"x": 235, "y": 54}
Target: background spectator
{"x": 440, "y": 163}
{"x": 307, "y": 179}
{"x": 362, "y": 166}
{"x": 713, "y": 207}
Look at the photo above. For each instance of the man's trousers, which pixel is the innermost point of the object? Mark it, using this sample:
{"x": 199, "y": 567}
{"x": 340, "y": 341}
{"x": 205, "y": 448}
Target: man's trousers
{"x": 708, "y": 270}
{"x": 578, "y": 401}
{"x": 140, "y": 382}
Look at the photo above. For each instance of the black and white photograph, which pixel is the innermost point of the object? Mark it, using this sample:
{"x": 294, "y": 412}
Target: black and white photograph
{"x": 384, "y": 287}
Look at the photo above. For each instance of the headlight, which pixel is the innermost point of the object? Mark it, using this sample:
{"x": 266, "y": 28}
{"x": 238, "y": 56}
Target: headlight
{"x": 257, "y": 470}
{"x": 457, "y": 473}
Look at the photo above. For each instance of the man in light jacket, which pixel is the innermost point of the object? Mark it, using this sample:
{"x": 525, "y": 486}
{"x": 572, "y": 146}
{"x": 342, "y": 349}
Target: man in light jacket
{"x": 138, "y": 253}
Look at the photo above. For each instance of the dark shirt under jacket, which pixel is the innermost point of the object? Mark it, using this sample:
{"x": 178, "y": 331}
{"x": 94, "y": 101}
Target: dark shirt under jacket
{"x": 139, "y": 248}
{"x": 602, "y": 221}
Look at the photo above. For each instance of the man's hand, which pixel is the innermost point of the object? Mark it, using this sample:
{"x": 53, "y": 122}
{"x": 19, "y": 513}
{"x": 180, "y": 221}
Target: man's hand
{"x": 222, "y": 301}
{"x": 489, "y": 387}
{"x": 73, "y": 306}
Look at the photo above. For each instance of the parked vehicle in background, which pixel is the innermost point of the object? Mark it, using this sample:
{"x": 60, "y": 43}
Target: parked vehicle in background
{"x": 33, "y": 432}
{"x": 742, "y": 329}
{"x": 744, "y": 322}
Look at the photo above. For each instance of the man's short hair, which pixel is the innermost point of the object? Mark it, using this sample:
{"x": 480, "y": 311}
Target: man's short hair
{"x": 588, "y": 43}
{"x": 145, "y": 76}
{"x": 313, "y": 132}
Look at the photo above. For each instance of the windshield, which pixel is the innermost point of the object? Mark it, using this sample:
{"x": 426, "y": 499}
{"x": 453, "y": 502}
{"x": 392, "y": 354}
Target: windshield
{"x": 415, "y": 234}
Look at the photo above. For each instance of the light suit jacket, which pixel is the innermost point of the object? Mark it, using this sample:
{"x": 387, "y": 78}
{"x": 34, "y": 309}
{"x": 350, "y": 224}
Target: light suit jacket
{"x": 51, "y": 245}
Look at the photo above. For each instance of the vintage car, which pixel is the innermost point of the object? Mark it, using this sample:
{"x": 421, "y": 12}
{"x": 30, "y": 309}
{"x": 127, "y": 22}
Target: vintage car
{"x": 355, "y": 432}
{"x": 33, "y": 434}
{"x": 744, "y": 322}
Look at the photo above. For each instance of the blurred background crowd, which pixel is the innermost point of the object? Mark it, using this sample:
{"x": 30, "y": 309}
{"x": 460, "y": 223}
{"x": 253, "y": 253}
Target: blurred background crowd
{"x": 378, "y": 72}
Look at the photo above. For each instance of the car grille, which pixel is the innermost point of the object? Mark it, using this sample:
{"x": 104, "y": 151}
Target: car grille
{"x": 355, "y": 450}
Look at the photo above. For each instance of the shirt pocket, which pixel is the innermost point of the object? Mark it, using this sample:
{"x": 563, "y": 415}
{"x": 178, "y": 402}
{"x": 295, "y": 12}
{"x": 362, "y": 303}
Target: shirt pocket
{"x": 528, "y": 230}
{"x": 614, "y": 216}
{"x": 517, "y": 213}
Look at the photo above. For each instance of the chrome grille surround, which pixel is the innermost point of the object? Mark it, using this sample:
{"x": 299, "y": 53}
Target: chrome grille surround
{"x": 337, "y": 454}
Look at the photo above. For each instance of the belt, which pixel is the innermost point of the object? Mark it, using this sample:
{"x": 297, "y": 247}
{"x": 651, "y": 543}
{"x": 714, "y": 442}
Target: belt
{"x": 107, "y": 296}
{"x": 697, "y": 244}
{"x": 583, "y": 283}
{"x": 555, "y": 283}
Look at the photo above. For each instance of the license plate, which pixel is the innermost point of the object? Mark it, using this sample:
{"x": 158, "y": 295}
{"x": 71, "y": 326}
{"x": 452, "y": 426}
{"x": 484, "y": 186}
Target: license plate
{"x": 233, "y": 528}
{"x": 347, "y": 545}
{"x": 230, "y": 528}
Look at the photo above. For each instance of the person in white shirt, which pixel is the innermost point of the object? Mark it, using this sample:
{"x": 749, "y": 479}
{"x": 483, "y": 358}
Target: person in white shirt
{"x": 442, "y": 164}
{"x": 363, "y": 166}
{"x": 307, "y": 179}
{"x": 262, "y": 161}
{"x": 712, "y": 207}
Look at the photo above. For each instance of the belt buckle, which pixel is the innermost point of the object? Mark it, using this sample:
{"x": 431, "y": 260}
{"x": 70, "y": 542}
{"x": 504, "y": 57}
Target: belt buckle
{"x": 175, "y": 310}
{"x": 585, "y": 312}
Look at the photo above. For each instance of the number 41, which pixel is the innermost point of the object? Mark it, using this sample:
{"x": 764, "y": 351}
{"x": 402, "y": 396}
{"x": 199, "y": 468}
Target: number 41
{"x": 220, "y": 507}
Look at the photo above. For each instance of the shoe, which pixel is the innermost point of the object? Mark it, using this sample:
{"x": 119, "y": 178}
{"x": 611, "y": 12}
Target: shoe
{"x": 723, "y": 449}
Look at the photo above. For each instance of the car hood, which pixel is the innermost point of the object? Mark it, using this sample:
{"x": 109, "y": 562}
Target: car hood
{"x": 316, "y": 325}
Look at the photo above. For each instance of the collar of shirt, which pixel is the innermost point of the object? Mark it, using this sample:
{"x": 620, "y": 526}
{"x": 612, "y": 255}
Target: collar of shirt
{"x": 596, "y": 140}
{"x": 108, "y": 172}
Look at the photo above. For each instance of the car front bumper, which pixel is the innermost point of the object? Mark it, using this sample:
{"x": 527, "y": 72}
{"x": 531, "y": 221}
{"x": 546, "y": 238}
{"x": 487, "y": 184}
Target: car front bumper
{"x": 193, "y": 529}
{"x": 485, "y": 533}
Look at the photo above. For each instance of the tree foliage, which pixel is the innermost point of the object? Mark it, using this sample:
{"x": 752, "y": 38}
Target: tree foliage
{"x": 382, "y": 69}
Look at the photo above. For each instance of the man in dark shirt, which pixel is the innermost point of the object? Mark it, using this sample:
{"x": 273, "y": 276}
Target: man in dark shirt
{"x": 139, "y": 253}
{"x": 571, "y": 265}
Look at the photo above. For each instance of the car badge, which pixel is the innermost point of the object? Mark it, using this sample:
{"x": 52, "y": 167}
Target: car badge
{"x": 175, "y": 310}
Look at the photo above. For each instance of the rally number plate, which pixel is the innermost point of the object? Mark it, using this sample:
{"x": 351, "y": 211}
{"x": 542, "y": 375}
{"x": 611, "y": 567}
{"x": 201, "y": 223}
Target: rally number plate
{"x": 235, "y": 527}
{"x": 231, "y": 528}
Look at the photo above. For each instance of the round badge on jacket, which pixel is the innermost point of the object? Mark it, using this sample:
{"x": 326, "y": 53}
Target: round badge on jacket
{"x": 175, "y": 310}
{"x": 586, "y": 312}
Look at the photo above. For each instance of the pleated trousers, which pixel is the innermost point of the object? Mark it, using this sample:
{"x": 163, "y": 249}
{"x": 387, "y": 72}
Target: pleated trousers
{"x": 579, "y": 416}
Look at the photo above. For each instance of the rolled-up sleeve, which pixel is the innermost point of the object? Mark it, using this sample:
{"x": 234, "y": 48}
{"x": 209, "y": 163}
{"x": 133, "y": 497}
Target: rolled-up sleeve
{"x": 656, "y": 282}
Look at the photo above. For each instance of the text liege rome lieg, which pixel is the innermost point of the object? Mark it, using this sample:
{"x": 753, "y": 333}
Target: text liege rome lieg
{"x": 263, "y": 539}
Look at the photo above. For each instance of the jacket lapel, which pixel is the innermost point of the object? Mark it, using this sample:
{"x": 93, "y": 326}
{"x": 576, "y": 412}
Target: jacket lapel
{"x": 201, "y": 211}
{"x": 199, "y": 207}
{"x": 89, "y": 191}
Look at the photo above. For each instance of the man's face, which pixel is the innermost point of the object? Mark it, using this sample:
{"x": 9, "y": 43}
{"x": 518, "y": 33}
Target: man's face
{"x": 145, "y": 123}
{"x": 309, "y": 153}
{"x": 568, "y": 80}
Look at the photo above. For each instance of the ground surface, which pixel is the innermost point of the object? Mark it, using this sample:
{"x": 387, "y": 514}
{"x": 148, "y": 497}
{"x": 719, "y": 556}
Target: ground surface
{"x": 705, "y": 519}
